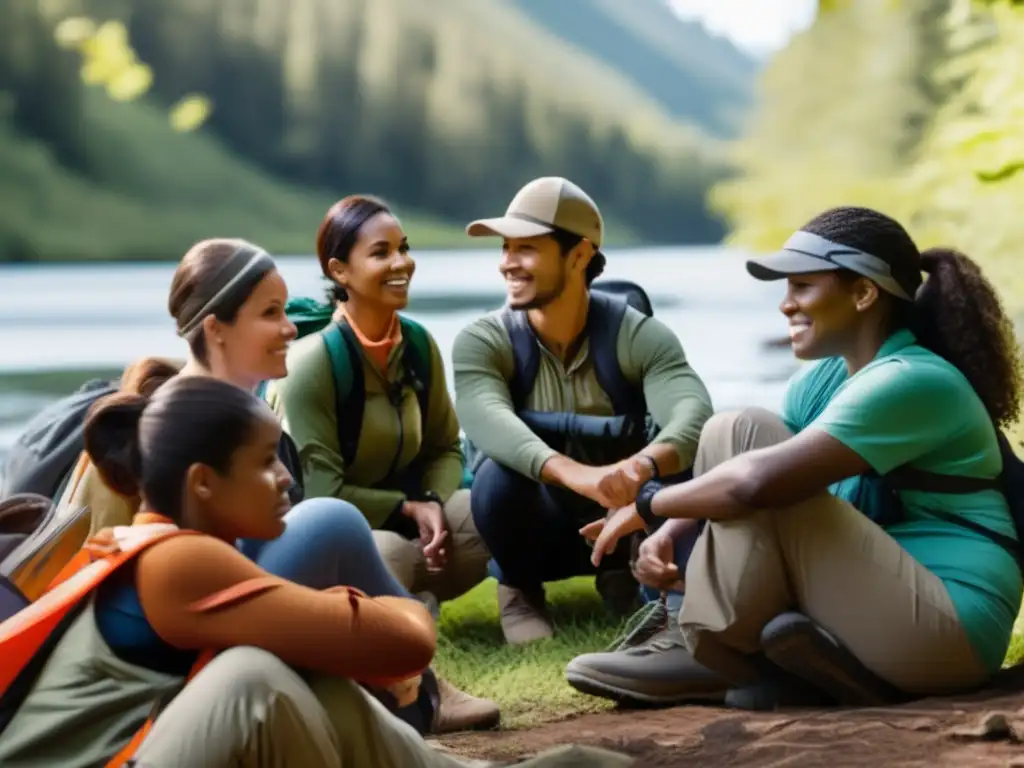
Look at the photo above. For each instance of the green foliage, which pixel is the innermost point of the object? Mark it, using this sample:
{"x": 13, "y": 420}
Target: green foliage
{"x": 914, "y": 109}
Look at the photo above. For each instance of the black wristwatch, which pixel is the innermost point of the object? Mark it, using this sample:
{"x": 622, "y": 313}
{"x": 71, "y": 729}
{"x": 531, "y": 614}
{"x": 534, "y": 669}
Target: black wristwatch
{"x": 432, "y": 496}
{"x": 643, "y": 503}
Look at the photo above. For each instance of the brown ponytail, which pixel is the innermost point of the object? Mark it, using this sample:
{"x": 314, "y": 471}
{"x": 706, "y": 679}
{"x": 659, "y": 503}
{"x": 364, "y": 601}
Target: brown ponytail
{"x": 112, "y": 440}
{"x": 958, "y": 315}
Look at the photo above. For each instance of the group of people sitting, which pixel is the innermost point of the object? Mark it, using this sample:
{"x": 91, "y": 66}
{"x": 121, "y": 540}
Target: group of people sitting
{"x": 275, "y": 522}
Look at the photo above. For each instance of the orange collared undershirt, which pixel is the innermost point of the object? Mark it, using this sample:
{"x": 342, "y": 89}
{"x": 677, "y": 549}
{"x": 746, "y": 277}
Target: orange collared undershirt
{"x": 379, "y": 351}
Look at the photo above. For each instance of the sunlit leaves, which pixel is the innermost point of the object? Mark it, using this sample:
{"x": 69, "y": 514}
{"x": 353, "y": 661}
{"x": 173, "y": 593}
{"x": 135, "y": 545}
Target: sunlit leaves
{"x": 110, "y": 62}
{"x": 190, "y": 112}
{"x": 959, "y": 181}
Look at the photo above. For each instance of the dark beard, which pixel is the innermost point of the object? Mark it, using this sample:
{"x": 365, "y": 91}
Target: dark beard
{"x": 542, "y": 299}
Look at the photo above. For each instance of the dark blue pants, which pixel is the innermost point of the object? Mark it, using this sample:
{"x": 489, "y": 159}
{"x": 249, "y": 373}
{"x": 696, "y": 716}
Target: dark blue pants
{"x": 533, "y": 530}
{"x": 326, "y": 543}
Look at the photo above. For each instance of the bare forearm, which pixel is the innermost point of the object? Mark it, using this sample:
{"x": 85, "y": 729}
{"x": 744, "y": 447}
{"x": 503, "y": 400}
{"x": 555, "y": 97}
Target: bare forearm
{"x": 720, "y": 494}
{"x": 557, "y": 470}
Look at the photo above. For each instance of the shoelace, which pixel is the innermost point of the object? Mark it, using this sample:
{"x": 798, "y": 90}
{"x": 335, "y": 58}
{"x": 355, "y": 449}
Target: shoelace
{"x": 648, "y": 621}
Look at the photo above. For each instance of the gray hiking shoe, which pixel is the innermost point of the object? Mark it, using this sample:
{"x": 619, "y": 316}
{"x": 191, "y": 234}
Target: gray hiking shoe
{"x": 650, "y": 620}
{"x": 660, "y": 671}
{"x": 524, "y": 616}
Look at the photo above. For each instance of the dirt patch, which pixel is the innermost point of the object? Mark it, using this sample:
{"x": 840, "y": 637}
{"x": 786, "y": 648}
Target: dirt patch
{"x": 980, "y": 730}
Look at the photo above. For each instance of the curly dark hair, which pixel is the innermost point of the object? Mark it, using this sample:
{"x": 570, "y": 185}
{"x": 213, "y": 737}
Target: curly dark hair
{"x": 956, "y": 312}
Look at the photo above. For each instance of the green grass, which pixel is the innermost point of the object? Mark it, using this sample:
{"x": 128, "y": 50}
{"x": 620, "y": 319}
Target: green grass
{"x": 529, "y": 682}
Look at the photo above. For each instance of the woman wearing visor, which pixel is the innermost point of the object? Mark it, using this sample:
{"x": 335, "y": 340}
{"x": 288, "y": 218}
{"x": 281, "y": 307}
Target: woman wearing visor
{"x": 858, "y": 549}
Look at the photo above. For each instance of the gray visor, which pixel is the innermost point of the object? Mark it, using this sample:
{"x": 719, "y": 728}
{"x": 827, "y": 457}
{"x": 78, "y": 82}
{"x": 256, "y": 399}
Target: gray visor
{"x": 804, "y": 253}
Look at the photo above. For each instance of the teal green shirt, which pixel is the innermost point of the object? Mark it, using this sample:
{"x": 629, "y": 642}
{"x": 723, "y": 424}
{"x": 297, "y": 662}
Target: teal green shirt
{"x": 910, "y": 406}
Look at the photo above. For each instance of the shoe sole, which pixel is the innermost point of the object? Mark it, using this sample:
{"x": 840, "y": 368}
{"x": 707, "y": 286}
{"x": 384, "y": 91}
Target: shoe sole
{"x": 801, "y": 649}
{"x": 491, "y": 724}
{"x": 605, "y": 690}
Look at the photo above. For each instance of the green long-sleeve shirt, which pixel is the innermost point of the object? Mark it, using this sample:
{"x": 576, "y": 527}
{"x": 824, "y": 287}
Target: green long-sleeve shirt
{"x": 305, "y": 402}
{"x": 649, "y": 353}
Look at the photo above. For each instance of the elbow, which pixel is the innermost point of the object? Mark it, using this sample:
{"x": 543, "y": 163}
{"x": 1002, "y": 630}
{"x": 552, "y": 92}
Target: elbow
{"x": 422, "y": 647}
{"x": 750, "y": 487}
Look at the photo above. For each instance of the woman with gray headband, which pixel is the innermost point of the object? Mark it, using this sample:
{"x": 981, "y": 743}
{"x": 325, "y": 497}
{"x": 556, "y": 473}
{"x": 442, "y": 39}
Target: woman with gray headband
{"x": 862, "y": 548}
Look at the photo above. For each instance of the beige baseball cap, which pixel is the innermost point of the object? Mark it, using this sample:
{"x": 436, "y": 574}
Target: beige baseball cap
{"x": 542, "y": 206}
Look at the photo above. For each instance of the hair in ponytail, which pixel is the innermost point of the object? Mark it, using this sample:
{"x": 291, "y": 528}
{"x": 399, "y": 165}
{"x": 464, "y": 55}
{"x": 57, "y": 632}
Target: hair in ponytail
{"x": 145, "y": 446}
{"x": 958, "y": 315}
{"x": 112, "y": 440}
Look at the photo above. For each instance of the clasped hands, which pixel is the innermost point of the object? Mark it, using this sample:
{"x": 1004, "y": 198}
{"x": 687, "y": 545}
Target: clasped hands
{"x": 615, "y": 487}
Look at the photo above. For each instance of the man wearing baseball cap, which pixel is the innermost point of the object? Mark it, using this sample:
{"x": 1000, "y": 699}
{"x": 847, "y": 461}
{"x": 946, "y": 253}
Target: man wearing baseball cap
{"x": 554, "y": 391}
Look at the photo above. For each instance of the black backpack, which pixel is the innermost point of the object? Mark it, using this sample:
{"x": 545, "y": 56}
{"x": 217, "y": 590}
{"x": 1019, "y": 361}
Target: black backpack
{"x": 631, "y": 424}
{"x": 631, "y": 427}
{"x": 41, "y": 459}
{"x": 1010, "y": 483}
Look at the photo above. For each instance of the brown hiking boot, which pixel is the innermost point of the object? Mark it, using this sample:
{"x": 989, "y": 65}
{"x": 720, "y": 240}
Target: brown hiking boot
{"x": 458, "y": 711}
{"x": 620, "y": 591}
{"x": 660, "y": 671}
{"x": 524, "y": 616}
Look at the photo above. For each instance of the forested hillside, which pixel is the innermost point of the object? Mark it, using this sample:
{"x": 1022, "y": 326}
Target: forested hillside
{"x": 445, "y": 108}
{"x": 696, "y": 77}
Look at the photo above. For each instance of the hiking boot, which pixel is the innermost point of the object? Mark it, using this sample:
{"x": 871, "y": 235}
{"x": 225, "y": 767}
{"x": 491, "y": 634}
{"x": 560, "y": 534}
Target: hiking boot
{"x": 648, "y": 621}
{"x": 620, "y": 590}
{"x": 660, "y": 671}
{"x": 795, "y": 643}
{"x": 458, "y": 711}
{"x": 778, "y": 689}
{"x": 524, "y": 615}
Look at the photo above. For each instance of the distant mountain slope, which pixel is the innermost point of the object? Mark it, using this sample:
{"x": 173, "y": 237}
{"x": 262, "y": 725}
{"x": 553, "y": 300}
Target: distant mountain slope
{"x": 693, "y": 74}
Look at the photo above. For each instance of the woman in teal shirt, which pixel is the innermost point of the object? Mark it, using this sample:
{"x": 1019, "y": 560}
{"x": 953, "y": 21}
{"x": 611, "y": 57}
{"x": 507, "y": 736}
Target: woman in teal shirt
{"x": 908, "y": 373}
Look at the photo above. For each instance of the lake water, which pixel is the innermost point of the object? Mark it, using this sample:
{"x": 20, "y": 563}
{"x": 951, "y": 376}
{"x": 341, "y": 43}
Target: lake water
{"x": 63, "y": 323}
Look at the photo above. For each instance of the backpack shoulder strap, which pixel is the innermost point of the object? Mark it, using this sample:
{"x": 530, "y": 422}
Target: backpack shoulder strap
{"x": 525, "y": 355}
{"x": 416, "y": 362}
{"x": 343, "y": 351}
{"x": 604, "y": 318}
{"x": 23, "y": 634}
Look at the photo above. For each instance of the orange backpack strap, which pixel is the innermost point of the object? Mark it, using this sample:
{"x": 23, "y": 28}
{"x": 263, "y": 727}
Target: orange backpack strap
{"x": 128, "y": 751}
{"x": 23, "y": 634}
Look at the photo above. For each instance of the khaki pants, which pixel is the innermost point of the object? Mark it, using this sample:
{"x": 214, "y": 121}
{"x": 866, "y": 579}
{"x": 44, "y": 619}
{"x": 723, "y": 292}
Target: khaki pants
{"x": 467, "y": 555}
{"x": 830, "y": 562}
{"x": 248, "y": 709}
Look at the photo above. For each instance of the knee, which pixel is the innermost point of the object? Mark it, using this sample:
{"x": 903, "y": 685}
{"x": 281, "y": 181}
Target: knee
{"x": 742, "y": 430}
{"x": 495, "y": 490}
{"x": 330, "y": 523}
{"x": 246, "y": 673}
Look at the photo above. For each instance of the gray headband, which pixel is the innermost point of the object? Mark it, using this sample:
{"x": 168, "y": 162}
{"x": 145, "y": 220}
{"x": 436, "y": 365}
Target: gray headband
{"x": 248, "y": 260}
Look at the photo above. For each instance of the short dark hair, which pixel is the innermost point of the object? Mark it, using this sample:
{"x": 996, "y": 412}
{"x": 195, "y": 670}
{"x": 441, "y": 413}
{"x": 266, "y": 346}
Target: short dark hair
{"x": 567, "y": 241}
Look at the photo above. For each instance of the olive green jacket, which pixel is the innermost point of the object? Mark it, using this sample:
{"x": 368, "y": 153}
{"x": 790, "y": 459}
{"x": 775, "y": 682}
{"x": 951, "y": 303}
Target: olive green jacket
{"x": 394, "y": 453}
